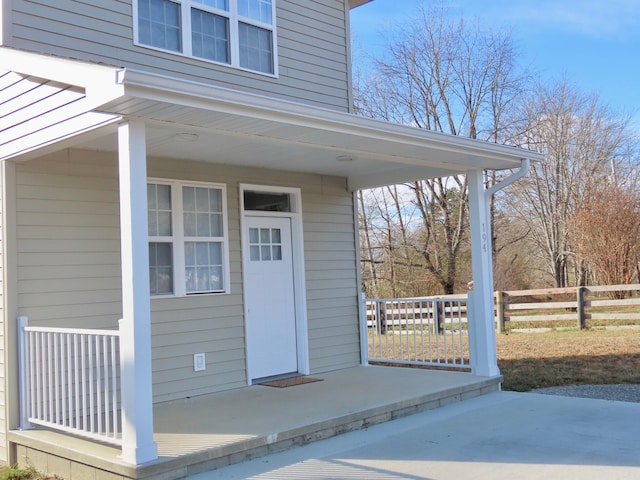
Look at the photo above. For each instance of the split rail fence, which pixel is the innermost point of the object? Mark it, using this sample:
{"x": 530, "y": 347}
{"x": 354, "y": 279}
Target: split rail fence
{"x": 577, "y": 304}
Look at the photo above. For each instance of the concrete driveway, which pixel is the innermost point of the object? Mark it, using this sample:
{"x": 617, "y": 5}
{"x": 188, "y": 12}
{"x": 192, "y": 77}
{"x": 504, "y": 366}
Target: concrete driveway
{"x": 502, "y": 435}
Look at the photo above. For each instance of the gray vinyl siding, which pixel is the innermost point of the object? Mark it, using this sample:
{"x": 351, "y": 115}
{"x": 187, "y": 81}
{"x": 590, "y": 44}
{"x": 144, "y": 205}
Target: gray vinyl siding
{"x": 312, "y": 44}
{"x": 332, "y": 288}
{"x": 69, "y": 270}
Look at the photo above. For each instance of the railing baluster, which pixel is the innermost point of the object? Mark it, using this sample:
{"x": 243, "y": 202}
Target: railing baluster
{"x": 105, "y": 377}
{"x": 114, "y": 389}
{"x": 56, "y": 378}
{"x": 415, "y": 335}
{"x": 76, "y": 385}
{"x": 48, "y": 376}
{"x": 33, "y": 371}
{"x": 66, "y": 381}
{"x": 92, "y": 421}
{"x": 98, "y": 413}
{"x": 38, "y": 366}
{"x": 430, "y": 328}
{"x": 422, "y": 330}
{"x": 84, "y": 374}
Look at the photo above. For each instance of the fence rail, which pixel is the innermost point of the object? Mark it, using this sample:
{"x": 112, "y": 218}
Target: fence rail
{"x": 418, "y": 331}
{"x": 578, "y": 308}
{"x": 70, "y": 380}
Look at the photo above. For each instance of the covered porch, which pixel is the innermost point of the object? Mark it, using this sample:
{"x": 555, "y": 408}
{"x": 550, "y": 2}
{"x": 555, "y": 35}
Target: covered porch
{"x": 210, "y": 431}
{"x": 128, "y": 117}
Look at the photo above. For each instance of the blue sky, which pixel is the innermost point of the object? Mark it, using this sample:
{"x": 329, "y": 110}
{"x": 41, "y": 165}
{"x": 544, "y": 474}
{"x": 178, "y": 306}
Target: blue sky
{"x": 593, "y": 43}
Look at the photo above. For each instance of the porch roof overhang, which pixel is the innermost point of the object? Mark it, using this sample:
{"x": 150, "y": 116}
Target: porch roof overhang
{"x": 220, "y": 125}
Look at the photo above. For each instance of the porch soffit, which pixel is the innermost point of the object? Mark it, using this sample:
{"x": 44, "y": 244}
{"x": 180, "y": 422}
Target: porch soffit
{"x": 232, "y": 127}
{"x": 255, "y": 131}
{"x": 38, "y": 112}
{"x": 46, "y": 99}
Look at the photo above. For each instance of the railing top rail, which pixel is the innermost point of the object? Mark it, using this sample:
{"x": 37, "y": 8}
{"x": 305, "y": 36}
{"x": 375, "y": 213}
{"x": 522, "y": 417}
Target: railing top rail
{"x": 458, "y": 297}
{"x": 72, "y": 331}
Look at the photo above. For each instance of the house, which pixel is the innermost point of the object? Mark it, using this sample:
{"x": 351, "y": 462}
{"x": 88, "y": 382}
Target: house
{"x": 189, "y": 167}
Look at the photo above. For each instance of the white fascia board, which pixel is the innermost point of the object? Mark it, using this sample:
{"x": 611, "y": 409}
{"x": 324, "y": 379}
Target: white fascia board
{"x": 198, "y": 95}
{"x": 99, "y": 82}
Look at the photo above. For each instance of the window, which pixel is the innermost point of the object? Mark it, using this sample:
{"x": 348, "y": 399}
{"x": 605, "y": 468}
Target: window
{"x": 187, "y": 239}
{"x": 240, "y": 33}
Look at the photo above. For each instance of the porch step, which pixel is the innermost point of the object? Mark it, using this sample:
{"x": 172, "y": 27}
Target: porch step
{"x": 212, "y": 431}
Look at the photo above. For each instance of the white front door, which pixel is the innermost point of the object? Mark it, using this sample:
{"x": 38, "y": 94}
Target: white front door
{"x": 269, "y": 297}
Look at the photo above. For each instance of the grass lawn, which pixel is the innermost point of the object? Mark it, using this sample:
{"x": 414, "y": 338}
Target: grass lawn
{"x": 568, "y": 357}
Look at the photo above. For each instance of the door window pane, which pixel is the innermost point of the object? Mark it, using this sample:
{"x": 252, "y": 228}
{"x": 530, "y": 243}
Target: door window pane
{"x": 254, "y": 236}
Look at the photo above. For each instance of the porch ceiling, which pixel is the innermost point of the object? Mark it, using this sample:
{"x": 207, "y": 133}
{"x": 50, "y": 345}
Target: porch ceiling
{"x": 188, "y": 120}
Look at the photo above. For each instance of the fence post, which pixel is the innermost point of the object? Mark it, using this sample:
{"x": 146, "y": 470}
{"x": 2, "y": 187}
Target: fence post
{"x": 23, "y": 373}
{"x": 500, "y": 311}
{"x": 582, "y": 322}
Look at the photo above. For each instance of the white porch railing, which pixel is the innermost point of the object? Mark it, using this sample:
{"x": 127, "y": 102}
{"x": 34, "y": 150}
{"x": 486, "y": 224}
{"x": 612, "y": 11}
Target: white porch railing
{"x": 70, "y": 380}
{"x": 419, "y": 331}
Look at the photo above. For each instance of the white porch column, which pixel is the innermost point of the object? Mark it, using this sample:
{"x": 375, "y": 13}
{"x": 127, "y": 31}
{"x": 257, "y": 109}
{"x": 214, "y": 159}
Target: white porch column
{"x": 482, "y": 334}
{"x": 135, "y": 329}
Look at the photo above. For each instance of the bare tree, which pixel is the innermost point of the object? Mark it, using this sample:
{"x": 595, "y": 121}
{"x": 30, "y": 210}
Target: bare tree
{"x": 581, "y": 139}
{"x": 445, "y": 75}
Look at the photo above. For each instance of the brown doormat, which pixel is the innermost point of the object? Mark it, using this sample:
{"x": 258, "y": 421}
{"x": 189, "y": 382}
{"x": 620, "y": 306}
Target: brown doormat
{"x": 290, "y": 382}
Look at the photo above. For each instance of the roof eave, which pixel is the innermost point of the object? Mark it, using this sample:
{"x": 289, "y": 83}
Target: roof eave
{"x": 172, "y": 90}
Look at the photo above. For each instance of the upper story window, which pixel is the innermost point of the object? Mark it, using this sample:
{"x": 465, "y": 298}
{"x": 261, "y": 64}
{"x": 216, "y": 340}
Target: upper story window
{"x": 240, "y": 33}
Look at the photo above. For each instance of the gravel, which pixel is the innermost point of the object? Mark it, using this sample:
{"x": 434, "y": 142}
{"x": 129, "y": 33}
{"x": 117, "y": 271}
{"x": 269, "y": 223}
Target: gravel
{"x": 618, "y": 392}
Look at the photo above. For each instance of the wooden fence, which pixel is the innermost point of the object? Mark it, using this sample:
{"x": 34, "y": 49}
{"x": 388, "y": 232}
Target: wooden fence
{"x": 575, "y": 304}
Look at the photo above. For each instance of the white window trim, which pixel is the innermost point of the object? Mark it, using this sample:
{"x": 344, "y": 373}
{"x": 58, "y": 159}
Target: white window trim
{"x": 233, "y": 17}
{"x": 297, "y": 245}
{"x": 178, "y": 238}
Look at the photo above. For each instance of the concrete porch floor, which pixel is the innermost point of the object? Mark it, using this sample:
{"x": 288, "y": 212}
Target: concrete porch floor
{"x": 210, "y": 431}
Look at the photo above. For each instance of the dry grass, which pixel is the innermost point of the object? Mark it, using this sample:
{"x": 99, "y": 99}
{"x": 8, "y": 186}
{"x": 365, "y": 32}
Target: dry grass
{"x": 571, "y": 357}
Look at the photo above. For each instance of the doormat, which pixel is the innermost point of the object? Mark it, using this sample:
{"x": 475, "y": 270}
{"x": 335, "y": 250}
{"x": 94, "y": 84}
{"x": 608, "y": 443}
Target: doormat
{"x": 290, "y": 382}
